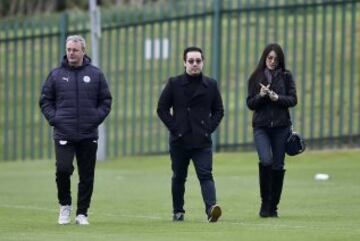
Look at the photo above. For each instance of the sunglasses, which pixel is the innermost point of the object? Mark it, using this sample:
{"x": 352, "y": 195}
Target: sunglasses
{"x": 270, "y": 58}
{"x": 191, "y": 61}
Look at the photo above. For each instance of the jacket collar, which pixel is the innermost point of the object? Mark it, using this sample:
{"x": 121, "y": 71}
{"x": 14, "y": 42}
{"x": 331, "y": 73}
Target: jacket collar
{"x": 186, "y": 81}
{"x": 200, "y": 90}
{"x": 86, "y": 61}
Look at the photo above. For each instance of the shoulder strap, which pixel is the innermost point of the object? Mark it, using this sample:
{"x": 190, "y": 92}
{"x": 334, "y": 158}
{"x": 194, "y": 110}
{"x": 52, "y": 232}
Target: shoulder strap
{"x": 286, "y": 81}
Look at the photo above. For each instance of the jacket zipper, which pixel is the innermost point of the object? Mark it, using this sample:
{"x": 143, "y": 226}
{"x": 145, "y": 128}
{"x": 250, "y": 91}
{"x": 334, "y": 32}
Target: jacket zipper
{"x": 272, "y": 117}
{"x": 77, "y": 103}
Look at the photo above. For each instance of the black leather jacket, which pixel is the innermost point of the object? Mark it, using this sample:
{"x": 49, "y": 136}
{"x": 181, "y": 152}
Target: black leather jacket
{"x": 269, "y": 113}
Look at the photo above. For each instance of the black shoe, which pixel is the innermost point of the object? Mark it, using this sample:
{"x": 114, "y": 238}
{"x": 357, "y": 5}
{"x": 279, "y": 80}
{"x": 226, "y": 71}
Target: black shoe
{"x": 178, "y": 217}
{"x": 264, "y": 211}
{"x": 214, "y": 214}
{"x": 273, "y": 214}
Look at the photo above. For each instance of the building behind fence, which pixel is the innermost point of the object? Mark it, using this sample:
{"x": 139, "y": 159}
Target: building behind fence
{"x": 141, "y": 48}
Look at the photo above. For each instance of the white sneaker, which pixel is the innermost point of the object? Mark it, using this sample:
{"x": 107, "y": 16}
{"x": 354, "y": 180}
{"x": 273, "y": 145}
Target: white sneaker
{"x": 64, "y": 214}
{"x": 81, "y": 219}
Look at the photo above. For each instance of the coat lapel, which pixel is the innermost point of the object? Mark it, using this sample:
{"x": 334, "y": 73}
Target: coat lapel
{"x": 184, "y": 81}
{"x": 201, "y": 89}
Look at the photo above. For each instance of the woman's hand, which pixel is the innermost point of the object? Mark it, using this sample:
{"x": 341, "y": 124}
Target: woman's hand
{"x": 264, "y": 90}
{"x": 273, "y": 96}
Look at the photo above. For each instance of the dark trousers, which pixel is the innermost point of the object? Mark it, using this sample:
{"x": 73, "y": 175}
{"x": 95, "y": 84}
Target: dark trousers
{"x": 85, "y": 152}
{"x": 202, "y": 159}
{"x": 270, "y": 145}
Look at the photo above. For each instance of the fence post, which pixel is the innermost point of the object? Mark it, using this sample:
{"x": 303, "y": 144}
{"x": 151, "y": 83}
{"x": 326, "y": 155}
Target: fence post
{"x": 64, "y": 22}
{"x": 95, "y": 20}
{"x": 216, "y": 55}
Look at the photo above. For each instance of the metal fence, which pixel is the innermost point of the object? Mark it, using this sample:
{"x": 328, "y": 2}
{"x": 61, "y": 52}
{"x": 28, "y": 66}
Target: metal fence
{"x": 141, "y": 48}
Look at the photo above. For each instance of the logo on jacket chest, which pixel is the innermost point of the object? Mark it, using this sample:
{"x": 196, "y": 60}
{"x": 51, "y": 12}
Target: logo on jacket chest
{"x": 86, "y": 79}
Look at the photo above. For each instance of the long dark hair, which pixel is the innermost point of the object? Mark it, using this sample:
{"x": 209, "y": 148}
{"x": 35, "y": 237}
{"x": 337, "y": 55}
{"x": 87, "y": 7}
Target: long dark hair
{"x": 259, "y": 71}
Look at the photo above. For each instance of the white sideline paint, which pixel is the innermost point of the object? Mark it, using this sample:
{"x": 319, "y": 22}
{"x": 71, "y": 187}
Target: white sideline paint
{"x": 56, "y": 211}
{"x": 29, "y": 208}
{"x": 254, "y": 225}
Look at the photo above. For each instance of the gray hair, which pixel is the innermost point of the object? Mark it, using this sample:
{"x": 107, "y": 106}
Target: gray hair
{"x": 77, "y": 38}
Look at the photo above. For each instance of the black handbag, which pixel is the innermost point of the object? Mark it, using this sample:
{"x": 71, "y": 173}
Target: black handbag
{"x": 295, "y": 144}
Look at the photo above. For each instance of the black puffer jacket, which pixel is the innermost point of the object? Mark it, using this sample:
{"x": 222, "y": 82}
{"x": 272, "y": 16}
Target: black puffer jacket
{"x": 269, "y": 113}
{"x": 75, "y": 100}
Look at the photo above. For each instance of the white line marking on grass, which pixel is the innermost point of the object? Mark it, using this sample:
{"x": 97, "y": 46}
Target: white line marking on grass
{"x": 132, "y": 216}
{"x": 268, "y": 225}
{"x": 28, "y": 207}
{"x": 256, "y": 225}
{"x": 288, "y": 226}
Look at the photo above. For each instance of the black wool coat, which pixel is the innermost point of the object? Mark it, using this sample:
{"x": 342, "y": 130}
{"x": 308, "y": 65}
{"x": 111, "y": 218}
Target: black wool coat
{"x": 192, "y": 118}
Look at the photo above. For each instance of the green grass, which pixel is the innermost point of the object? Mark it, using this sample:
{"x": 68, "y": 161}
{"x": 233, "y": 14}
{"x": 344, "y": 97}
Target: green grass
{"x": 132, "y": 201}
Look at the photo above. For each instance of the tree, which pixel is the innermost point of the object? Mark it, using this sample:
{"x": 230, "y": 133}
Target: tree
{"x": 27, "y": 7}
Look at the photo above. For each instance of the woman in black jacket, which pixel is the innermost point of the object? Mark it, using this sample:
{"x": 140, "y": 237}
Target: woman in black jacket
{"x": 271, "y": 91}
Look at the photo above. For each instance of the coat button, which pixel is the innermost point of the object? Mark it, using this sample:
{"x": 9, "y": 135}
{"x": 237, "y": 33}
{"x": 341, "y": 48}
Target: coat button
{"x": 202, "y": 122}
{"x": 188, "y": 109}
{"x": 206, "y": 134}
{"x": 179, "y": 135}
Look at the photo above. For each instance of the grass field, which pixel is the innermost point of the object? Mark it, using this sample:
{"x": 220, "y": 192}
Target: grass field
{"x": 132, "y": 201}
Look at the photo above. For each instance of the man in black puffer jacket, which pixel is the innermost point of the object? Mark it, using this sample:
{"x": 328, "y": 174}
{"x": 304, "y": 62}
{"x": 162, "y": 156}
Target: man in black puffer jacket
{"x": 75, "y": 100}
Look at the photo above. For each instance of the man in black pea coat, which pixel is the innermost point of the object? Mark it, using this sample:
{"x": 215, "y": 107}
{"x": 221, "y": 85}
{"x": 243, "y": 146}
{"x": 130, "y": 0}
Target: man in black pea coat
{"x": 197, "y": 110}
{"x": 75, "y": 99}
